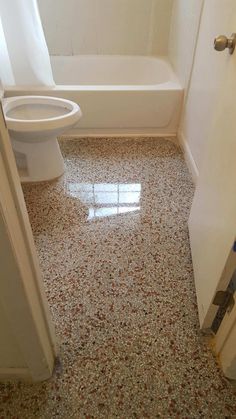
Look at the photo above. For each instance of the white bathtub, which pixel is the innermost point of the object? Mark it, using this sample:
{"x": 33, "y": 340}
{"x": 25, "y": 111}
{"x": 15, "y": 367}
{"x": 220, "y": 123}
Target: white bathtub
{"x": 117, "y": 94}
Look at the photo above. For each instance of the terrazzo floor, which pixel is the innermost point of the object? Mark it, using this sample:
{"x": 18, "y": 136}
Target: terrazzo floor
{"x": 113, "y": 245}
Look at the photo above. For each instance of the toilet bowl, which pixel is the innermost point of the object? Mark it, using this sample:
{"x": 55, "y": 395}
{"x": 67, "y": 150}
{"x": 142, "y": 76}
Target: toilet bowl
{"x": 34, "y": 122}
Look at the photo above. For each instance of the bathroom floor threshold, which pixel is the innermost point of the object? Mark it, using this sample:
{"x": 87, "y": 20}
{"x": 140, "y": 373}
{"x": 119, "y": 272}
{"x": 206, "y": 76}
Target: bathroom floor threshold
{"x": 113, "y": 244}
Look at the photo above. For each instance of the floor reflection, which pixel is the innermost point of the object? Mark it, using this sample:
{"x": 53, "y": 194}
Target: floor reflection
{"x": 107, "y": 199}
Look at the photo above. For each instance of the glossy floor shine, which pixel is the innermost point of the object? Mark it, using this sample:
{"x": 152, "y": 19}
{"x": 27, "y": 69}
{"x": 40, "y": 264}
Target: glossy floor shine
{"x": 113, "y": 244}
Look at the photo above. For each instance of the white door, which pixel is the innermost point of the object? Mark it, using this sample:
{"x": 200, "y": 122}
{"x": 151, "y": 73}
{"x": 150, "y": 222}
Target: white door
{"x": 212, "y": 223}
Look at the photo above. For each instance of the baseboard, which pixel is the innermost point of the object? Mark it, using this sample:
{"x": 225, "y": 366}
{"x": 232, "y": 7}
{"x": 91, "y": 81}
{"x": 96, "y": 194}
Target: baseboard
{"x": 188, "y": 157}
{"x": 119, "y": 132}
{"x": 13, "y": 374}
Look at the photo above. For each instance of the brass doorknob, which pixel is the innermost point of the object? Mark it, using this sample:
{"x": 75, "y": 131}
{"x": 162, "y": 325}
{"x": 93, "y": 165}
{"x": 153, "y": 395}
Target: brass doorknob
{"x": 222, "y": 42}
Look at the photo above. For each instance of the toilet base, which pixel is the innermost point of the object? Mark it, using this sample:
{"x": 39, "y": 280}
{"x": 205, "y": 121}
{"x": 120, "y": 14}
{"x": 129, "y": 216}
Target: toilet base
{"x": 38, "y": 161}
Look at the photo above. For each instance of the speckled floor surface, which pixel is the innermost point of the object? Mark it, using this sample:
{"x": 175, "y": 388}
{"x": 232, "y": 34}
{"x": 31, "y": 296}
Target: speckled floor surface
{"x": 113, "y": 245}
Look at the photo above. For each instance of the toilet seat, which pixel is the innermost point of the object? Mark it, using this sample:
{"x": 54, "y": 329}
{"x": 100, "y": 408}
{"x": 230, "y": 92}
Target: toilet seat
{"x": 34, "y": 123}
{"x": 52, "y": 113}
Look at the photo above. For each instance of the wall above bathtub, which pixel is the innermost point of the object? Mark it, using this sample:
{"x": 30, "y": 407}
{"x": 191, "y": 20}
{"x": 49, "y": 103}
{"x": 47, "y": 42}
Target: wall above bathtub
{"x": 139, "y": 27}
{"x": 185, "y": 23}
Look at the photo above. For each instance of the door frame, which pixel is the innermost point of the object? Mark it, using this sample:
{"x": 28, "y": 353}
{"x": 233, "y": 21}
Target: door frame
{"x": 225, "y": 344}
{"x": 22, "y": 295}
{"x": 225, "y": 338}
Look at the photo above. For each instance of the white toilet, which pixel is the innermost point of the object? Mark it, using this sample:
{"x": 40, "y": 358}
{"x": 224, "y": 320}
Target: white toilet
{"x": 34, "y": 122}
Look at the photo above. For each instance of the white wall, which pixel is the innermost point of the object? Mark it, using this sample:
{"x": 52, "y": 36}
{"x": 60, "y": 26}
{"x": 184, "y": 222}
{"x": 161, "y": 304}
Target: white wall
{"x": 27, "y": 340}
{"x": 10, "y": 355}
{"x": 183, "y": 33}
{"x": 106, "y": 26}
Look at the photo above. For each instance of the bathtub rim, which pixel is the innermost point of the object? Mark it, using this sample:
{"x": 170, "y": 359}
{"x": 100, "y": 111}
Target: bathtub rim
{"x": 167, "y": 86}
{"x": 172, "y": 83}
{"x": 159, "y": 60}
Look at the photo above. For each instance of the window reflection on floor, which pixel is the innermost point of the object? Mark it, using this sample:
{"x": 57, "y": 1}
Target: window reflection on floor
{"x": 107, "y": 199}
